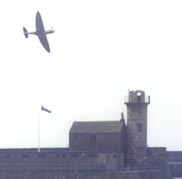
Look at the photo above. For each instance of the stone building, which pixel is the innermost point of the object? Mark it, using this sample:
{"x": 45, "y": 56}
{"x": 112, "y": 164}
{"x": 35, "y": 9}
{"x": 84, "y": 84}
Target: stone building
{"x": 105, "y": 136}
{"x": 97, "y": 149}
{"x": 137, "y": 104}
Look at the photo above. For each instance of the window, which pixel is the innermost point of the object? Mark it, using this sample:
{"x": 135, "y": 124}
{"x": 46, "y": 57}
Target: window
{"x": 63, "y": 155}
{"x": 41, "y": 155}
{"x": 92, "y": 139}
{"x": 73, "y": 155}
{"x": 115, "y": 155}
{"x": 92, "y": 155}
{"x": 139, "y": 127}
{"x": 139, "y": 95}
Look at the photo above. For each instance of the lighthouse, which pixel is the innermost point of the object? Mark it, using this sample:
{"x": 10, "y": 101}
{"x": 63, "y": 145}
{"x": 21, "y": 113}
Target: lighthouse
{"x": 137, "y": 103}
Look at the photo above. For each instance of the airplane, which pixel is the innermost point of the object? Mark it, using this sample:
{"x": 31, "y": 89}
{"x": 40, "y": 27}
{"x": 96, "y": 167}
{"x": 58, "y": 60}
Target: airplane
{"x": 40, "y": 32}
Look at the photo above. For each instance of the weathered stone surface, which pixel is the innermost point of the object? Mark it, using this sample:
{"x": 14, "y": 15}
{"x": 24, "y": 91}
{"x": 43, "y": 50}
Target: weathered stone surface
{"x": 175, "y": 163}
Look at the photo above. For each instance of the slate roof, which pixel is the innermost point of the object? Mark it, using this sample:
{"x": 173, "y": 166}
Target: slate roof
{"x": 96, "y": 126}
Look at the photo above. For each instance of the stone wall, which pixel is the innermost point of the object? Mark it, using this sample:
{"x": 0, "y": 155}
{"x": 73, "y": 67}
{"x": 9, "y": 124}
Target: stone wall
{"x": 174, "y": 156}
{"x": 58, "y": 174}
{"x": 157, "y": 155}
{"x": 65, "y": 164}
{"x": 175, "y": 163}
{"x": 61, "y": 160}
{"x": 142, "y": 174}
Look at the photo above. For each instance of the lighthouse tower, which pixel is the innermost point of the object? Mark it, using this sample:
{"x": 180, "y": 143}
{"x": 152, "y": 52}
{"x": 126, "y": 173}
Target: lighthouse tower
{"x": 136, "y": 103}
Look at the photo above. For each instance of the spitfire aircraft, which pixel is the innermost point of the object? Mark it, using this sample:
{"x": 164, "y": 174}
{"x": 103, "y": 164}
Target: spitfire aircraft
{"x": 40, "y": 32}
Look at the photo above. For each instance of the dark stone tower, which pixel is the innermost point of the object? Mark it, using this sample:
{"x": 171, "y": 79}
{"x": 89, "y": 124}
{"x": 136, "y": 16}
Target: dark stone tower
{"x": 136, "y": 104}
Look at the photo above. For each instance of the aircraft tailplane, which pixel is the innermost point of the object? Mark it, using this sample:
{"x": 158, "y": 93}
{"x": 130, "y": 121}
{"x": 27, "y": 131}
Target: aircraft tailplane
{"x": 25, "y": 32}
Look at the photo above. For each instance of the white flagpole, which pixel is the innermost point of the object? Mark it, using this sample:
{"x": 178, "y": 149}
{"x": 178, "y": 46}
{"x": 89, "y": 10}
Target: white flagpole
{"x": 39, "y": 127}
{"x": 39, "y": 131}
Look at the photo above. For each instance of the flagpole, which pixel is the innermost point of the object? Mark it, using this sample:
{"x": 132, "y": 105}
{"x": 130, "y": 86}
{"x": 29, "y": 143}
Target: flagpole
{"x": 39, "y": 131}
{"x": 39, "y": 122}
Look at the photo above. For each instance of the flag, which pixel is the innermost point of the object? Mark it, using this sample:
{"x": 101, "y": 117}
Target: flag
{"x": 45, "y": 109}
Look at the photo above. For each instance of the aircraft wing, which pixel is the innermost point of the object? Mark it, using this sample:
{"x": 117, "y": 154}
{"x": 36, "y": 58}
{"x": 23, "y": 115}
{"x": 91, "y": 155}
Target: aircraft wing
{"x": 44, "y": 42}
{"x": 41, "y": 32}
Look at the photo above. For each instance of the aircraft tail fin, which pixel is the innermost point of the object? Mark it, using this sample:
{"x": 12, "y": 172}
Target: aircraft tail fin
{"x": 25, "y": 32}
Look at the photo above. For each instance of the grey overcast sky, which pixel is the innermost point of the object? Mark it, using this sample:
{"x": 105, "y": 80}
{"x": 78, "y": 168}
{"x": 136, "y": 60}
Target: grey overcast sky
{"x": 100, "y": 49}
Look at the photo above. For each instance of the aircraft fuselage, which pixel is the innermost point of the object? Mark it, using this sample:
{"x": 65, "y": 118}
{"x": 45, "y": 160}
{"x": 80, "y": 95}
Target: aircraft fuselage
{"x": 41, "y": 32}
